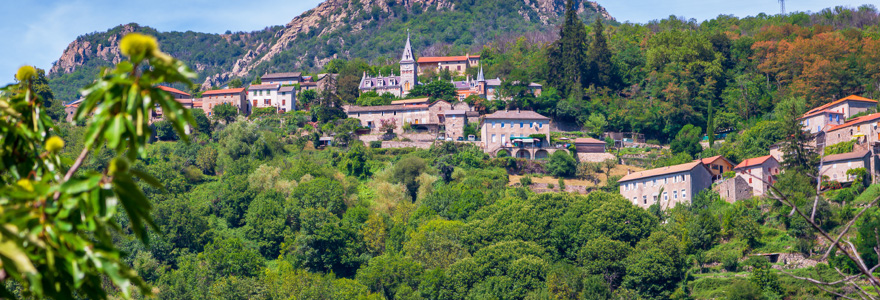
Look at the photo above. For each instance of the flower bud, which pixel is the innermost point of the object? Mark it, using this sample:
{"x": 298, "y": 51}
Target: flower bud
{"x": 26, "y": 73}
{"x": 54, "y": 144}
{"x": 137, "y": 46}
{"x": 26, "y": 185}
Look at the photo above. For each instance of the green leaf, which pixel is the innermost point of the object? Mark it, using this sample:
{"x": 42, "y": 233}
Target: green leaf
{"x": 114, "y": 132}
{"x": 76, "y": 186}
{"x": 149, "y": 179}
{"x": 10, "y": 250}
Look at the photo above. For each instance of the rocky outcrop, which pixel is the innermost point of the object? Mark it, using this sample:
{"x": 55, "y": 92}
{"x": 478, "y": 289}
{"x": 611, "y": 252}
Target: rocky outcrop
{"x": 81, "y": 51}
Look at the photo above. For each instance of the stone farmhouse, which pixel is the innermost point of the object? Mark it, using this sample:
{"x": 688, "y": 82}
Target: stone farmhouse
{"x": 282, "y": 98}
{"x": 180, "y": 96}
{"x": 759, "y": 173}
{"x": 523, "y": 134}
{"x": 488, "y": 89}
{"x": 835, "y": 166}
{"x": 863, "y": 129}
{"x": 457, "y": 65}
{"x": 440, "y": 117}
{"x": 667, "y": 186}
{"x": 734, "y": 189}
{"x": 237, "y": 97}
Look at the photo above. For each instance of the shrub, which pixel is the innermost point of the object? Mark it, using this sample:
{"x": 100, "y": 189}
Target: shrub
{"x": 525, "y": 180}
{"x": 561, "y": 184}
{"x": 551, "y": 186}
{"x": 562, "y": 164}
{"x": 376, "y": 144}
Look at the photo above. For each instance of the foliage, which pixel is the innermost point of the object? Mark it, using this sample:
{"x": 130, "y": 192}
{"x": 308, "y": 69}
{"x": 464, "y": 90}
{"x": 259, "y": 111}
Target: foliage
{"x": 562, "y": 164}
{"x": 78, "y": 210}
{"x": 842, "y": 147}
{"x": 687, "y": 140}
{"x": 225, "y": 112}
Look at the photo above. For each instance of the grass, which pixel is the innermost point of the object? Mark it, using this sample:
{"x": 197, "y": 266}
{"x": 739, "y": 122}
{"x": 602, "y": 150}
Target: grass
{"x": 619, "y": 170}
{"x": 871, "y": 193}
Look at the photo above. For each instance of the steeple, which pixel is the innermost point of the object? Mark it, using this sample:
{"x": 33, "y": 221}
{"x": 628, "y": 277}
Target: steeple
{"x": 480, "y": 75}
{"x": 407, "y": 50}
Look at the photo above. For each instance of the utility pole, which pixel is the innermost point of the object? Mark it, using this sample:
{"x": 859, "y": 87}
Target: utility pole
{"x": 782, "y": 6}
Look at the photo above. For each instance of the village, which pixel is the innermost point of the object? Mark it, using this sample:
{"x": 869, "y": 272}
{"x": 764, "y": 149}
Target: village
{"x": 526, "y": 134}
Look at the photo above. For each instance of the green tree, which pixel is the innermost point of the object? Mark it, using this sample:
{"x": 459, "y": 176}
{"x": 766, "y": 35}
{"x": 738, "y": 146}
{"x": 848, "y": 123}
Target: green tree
{"x": 436, "y": 90}
{"x": 687, "y": 140}
{"x": 266, "y": 222}
{"x": 437, "y": 244}
{"x": 225, "y": 112}
{"x": 320, "y": 193}
{"x": 51, "y": 260}
{"x": 203, "y": 124}
{"x": 567, "y": 57}
{"x": 323, "y": 244}
{"x": 406, "y": 171}
{"x": 652, "y": 273}
{"x": 798, "y": 154}
{"x": 235, "y": 83}
{"x": 355, "y": 162}
{"x": 601, "y": 71}
{"x": 307, "y": 98}
{"x": 562, "y": 164}
{"x": 164, "y": 131}
{"x": 232, "y": 257}
{"x": 388, "y": 272}
{"x": 606, "y": 257}
{"x": 207, "y": 159}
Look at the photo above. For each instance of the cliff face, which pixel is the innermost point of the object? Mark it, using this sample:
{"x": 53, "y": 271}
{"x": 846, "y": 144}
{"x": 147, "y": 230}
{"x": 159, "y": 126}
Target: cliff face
{"x": 334, "y": 29}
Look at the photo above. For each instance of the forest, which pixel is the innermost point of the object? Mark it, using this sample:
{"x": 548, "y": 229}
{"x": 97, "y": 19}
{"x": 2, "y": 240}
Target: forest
{"x": 250, "y": 208}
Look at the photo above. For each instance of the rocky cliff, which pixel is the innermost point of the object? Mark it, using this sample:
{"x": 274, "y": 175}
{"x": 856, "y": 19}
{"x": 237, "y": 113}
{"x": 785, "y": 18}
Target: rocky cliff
{"x": 334, "y": 29}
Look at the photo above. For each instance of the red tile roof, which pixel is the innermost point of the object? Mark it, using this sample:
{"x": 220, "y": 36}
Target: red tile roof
{"x": 751, "y": 162}
{"x": 712, "y": 159}
{"x": 858, "y": 120}
{"x": 848, "y": 98}
{"x": 226, "y": 91}
{"x": 818, "y": 113}
{"x": 197, "y": 104}
{"x": 434, "y": 59}
{"x": 173, "y": 90}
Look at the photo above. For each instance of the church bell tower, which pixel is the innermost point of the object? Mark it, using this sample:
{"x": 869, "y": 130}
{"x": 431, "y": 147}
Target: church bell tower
{"x": 408, "y": 68}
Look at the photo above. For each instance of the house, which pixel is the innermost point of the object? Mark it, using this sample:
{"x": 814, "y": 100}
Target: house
{"x": 457, "y": 65}
{"x": 776, "y": 152}
{"x": 863, "y": 129}
{"x": 181, "y": 97}
{"x": 237, "y": 97}
{"x": 589, "y": 145}
{"x": 70, "y": 109}
{"x": 666, "y": 186}
{"x": 488, "y": 89}
{"x": 416, "y": 112}
{"x": 835, "y": 166}
{"x": 512, "y": 130}
{"x": 835, "y": 113}
{"x": 323, "y": 80}
{"x": 287, "y": 78}
{"x": 759, "y": 172}
{"x": 717, "y": 166}
{"x": 274, "y": 95}
{"x": 734, "y": 189}
{"x": 398, "y": 86}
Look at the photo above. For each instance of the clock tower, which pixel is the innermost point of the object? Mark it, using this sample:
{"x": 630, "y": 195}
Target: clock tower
{"x": 408, "y": 68}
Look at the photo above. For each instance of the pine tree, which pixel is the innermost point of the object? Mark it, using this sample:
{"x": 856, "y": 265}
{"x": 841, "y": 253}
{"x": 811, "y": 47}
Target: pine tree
{"x": 567, "y": 57}
{"x": 602, "y": 73}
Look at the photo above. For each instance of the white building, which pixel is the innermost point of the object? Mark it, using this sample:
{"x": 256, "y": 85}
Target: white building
{"x": 283, "y": 98}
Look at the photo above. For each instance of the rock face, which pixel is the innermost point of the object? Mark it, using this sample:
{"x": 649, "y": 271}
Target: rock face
{"x": 327, "y": 19}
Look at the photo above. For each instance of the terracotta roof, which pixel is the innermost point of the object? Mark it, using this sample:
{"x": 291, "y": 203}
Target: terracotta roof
{"x": 357, "y": 109}
{"x": 858, "y": 120}
{"x": 281, "y": 75}
{"x": 848, "y": 98}
{"x": 197, "y": 104}
{"x": 846, "y": 156}
{"x": 819, "y": 113}
{"x": 661, "y": 171}
{"x": 587, "y": 141}
{"x": 434, "y": 59}
{"x": 226, "y": 91}
{"x": 751, "y": 162}
{"x": 516, "y": 114}
{"x": 263, "y": 86}
{"x": 410, "y": 101}
{"x": 712, "y": 159}
{"x": 173, "y": 90}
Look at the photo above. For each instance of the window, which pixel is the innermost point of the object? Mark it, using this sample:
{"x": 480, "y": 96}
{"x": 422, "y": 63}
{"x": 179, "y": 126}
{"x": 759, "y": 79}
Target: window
{"x": 665, "y": 196}
{"x": 283, "y": 102}
{"x": 255, "y": 102}
{"x": 502, "y": 139}
{"x": 645, "y": 199}
{"x": 520, "y": 125}
{"x": 502, "y": 124}
{"x": 675, "y": 195}
{"x": 683, "y": 194}
{"x": 493, "y": 138}
{"x": 540, "y": 124}
{"x": 750, "y": 179}
{"x": 531, "y": 125}
{"x": 634, "y": 200}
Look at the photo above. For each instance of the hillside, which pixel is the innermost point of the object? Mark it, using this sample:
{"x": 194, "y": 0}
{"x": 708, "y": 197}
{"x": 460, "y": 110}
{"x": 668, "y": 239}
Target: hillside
{"x": 367, "y": 29}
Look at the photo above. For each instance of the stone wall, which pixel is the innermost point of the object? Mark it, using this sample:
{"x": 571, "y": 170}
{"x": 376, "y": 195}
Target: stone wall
{"x": 734, "y": 189}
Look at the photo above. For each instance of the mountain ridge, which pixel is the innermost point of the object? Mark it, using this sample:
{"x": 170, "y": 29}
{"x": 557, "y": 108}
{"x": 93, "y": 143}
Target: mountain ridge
{"x": 366, "y": 29}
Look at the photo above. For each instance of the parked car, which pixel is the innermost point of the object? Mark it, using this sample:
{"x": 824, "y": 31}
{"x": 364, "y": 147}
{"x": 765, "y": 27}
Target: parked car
{"x": 460, "y": 139}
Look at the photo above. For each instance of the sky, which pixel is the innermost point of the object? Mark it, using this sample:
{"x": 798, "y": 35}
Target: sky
{"x": 36, "y": 32}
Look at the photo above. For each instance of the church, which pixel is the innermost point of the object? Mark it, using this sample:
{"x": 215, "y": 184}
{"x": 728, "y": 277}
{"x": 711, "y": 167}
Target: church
{"x": 399, "y": 86}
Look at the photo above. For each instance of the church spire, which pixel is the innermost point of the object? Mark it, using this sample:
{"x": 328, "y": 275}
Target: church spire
{"x": 407, "y": 50}
{"x": 480, "y": 75}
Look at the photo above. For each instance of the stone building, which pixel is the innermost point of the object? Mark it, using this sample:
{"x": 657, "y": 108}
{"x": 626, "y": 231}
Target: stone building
{"x": 834, "y": 113}
{"x": 717, "y": 166}
{"x": 181, "y": 97}
{"x": 282, "y": 98}
{"x": 835, "y": 166}
{"x": 488, "y": 89}
{"x": 863, "y": 129}
{"x": 398, "y": 86}
{"x": 511, "y": 130}
{"x": 734, "y": 189}
{"x": 759, "y": 172}
{"x": 237, "y": 97}
{"x": 667, "y": 186}
{"x": 589, "y": 145}
{"x": 457, "y": 65}
{"x": 420, "y": 115}
{"x": 286, "y": 78}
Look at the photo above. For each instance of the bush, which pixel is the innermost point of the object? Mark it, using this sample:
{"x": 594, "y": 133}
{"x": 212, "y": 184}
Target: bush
{"x": 376, "y": 144}
{"x": 525, "y": 180}
{"x": 551, "y": 186}
{"x": 562, "y": 164}
{"x": 561, "y": 184}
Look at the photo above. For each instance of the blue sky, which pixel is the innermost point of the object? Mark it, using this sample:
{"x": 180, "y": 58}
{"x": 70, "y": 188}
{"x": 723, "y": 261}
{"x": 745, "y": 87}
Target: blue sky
{"x": 36, "y": 32}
